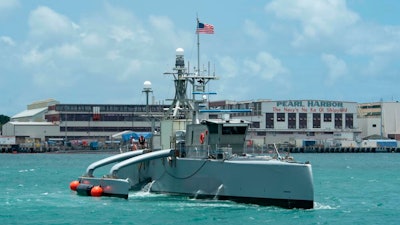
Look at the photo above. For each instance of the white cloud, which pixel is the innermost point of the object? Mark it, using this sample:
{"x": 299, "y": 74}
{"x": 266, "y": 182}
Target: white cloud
{"x": 92, "y": 40}
{"x": 113, "y": 55}
{"x": 317, "y": 18}
{"x": 337, "y": 67}
{"x": 33, "y": 57}
{"x": 266, "y": 66}
{"x": 252, "y": 29}
{"x": 112, "y": 47}
{"x": 330, "y": 26}
{"x": 371, "y": 39}
{"x": 375, "y": 66}
{"x": 120, "y": 34}
{"x": 37, "y": 57}
{"x": 123, "y": 26}
{"x": 161, "y": 26}
{"x": 7, "y": 40}
{"x": 229, "y": 66}
{"x": 161, "y": 23}
{"x": 45, "y": 23}
{"x": 6, "y": 5}
{"x": 68, "y": 51}
{"x": 121, "y": 16}
{"x": 133, "y": 67}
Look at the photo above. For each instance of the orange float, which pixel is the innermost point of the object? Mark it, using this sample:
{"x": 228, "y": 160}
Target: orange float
{"x": 96, "y": 191}
{"x": 73, "y": 185}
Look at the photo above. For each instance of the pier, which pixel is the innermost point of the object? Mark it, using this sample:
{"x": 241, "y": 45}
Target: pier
{"x": 339, "y": 150}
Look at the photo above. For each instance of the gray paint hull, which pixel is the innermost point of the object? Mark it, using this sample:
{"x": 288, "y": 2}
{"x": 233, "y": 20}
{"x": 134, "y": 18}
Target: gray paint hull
{"x": 246, "y": 180}
{"x": 264, "y": 182}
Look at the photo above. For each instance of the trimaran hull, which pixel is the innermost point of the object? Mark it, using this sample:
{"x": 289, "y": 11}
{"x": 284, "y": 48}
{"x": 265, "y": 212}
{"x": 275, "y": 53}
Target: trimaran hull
{"x": 245, "y": 180}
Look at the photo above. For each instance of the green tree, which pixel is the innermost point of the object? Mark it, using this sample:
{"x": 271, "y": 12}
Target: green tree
{"x": 3, "y": 120}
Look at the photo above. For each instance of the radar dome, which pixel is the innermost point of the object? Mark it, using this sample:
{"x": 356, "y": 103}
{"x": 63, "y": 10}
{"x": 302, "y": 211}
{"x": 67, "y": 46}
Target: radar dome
{"x": 179, "y": 51}
{"x": 147, "y": 84}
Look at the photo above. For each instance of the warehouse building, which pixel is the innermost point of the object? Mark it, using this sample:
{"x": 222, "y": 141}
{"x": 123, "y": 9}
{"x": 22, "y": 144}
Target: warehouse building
{"x": 288, "y": 122}
{"x": 63, "y": 123}
{"x": 380, "y": 119}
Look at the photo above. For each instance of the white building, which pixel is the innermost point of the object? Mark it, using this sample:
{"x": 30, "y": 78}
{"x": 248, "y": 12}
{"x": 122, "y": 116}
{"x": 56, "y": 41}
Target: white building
{"x": 319, "y": 121}
{"x": 293, "y": 122}
{"x": 380, "y": 119}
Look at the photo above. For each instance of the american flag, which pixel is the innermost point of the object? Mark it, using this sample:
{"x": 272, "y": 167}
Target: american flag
{"x": 203, "y": 28}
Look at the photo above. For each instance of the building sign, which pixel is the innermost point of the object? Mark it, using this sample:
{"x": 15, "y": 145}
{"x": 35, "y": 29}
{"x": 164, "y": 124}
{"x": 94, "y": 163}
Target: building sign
{"x": 310, "y": 106}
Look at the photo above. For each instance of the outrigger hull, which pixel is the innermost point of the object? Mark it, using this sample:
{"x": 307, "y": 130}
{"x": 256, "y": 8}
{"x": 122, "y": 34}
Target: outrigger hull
{"x": 111, "y": 187}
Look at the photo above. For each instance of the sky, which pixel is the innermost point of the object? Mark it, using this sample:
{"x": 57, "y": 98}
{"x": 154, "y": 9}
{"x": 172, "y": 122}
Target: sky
{"x": 102, "y": 52}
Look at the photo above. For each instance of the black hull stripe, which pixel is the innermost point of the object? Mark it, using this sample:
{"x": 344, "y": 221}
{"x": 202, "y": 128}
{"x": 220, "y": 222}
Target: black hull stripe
{"x": 284, "y": 203}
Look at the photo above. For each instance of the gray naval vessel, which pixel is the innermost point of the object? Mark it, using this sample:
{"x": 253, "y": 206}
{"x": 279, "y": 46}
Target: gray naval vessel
{"x": 205, "y": 157}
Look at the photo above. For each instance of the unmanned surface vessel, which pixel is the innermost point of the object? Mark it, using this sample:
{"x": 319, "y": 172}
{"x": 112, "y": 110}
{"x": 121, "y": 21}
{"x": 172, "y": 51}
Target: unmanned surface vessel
{"x": 205, "y": 157}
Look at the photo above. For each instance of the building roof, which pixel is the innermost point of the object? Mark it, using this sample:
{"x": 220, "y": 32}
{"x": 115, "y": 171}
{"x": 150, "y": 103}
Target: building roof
{"x": 33, "y": 123}
{"x": 375, "y": 137}
{"x": 29, "y": 113}
{"x": 42, "y": 103}
{"x": 119, "y": 135}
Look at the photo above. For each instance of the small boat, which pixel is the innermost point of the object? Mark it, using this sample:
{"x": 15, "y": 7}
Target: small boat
{"x": 205, "y": 158}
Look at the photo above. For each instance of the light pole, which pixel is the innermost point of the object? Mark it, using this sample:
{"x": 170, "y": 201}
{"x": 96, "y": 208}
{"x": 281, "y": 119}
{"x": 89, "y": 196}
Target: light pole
{"x": 251, "y": 127}
{"x": 147, "y": 89}
{"x": 66, "y": 130}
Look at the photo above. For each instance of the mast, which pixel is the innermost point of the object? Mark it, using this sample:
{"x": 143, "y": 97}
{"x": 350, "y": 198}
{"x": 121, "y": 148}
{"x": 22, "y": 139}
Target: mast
{"x": 180, "y": 73}
{"x": 198, "y": 57}
{"x": 197, "y": 79}
{"x": 198, "y": 47}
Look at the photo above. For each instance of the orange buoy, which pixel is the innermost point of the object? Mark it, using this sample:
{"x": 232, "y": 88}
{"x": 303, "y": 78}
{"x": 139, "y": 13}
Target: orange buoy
{"x": 73, "y": 185}
{"x": 96, "y": 191}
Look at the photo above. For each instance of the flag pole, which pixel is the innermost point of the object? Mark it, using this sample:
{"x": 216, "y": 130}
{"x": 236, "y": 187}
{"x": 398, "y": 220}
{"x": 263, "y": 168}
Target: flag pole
{"x": 195, "y": 116}
{"x": 198, "y": 47}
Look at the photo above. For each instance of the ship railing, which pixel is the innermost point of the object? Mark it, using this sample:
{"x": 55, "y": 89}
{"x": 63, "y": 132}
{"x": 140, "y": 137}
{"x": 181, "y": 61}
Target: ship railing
{"x": 207, "y": 151}
{"x": 222, "y": 152}
{"x": 197, "y": 151}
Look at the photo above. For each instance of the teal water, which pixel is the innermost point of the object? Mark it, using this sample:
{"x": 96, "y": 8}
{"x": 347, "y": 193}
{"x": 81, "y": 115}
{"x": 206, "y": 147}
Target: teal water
{"x": 349, "y": 189}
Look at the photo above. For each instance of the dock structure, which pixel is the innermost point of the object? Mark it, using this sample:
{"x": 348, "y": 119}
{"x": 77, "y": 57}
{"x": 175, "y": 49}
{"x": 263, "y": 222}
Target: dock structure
{"x": 339, "y": 150}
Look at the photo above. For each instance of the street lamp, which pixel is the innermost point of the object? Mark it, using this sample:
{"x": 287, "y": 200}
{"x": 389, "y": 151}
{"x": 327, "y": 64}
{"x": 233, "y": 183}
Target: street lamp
{"x": 251, "y": 127}
{"x": 147, "y": 89}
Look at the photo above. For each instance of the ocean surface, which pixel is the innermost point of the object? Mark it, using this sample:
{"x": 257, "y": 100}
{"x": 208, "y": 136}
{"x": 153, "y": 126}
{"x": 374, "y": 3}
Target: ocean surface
{"x": 350, "y": 188}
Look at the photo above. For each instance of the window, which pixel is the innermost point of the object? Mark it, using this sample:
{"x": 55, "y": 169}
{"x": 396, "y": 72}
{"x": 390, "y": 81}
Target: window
{"x": 303, "y": 120}
{"x": 349, "y": 120}
{"x": 338, "y": 121}
{"x": 269, "y": 120}
{"x": 233, "y": 130}
{"x": 327, "y": 117}
{"x": 213, "y": 128}
{"x": 371, "y": 106}
{"x": 316, "y": 120}
{"x": 291, "y": 120}
{"x": 280, "y": 117}
{"x": 255, "y": 125}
